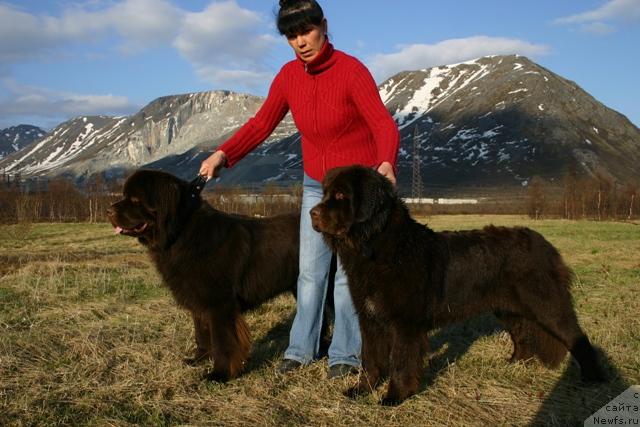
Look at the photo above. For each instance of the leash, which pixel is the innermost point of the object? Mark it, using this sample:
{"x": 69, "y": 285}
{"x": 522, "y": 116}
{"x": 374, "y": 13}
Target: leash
{"x": 197, "y": 185}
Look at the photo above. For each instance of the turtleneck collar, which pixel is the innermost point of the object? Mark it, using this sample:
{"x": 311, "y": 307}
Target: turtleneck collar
{"x": 324, "y": 60}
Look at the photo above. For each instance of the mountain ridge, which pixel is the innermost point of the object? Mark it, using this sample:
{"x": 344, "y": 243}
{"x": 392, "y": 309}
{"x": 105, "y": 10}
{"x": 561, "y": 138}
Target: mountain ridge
{"x": 497, "y": 120}
{"x": 14, "y": 138}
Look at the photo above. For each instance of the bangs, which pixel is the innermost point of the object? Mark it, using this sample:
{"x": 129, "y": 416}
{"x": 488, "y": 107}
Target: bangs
{"x": 299, "y": 21}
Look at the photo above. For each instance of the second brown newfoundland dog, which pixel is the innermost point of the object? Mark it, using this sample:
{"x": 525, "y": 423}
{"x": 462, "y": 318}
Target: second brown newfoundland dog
{"x": 406, "y": 279}
{"x": 215, "y": 264}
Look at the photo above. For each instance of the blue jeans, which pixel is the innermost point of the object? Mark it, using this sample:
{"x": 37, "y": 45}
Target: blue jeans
{"x": 315, "y": 259}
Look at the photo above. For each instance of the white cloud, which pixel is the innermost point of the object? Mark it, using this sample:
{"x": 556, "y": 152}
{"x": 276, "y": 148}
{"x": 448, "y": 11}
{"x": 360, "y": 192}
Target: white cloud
{"x": 226, "y": 45}
{"x": 419, "y": 56}
{"x": 22, "y": 35}
{"x": 225, "y": 78}
{"x": 146, "y": 21}
{"x": 23, "y": 100}
{"x": 612, "y": 10}
{"x": 593, "y": 21}
{"x": 599, "y": 28}
{"x": 138, "y": 23}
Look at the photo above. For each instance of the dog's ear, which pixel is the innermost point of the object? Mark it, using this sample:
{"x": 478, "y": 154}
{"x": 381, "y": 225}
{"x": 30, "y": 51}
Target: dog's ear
{"x": 330, "y": 176}
{"x": 168, "y": 212}
{"x": 373, "y": 193}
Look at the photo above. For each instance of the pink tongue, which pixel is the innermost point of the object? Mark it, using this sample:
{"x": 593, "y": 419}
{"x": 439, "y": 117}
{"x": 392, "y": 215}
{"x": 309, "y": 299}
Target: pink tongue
{"x": 118, "y": 230}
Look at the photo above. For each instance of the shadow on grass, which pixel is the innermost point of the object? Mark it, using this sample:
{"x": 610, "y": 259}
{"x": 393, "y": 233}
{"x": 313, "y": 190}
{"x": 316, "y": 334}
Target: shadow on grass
{"x": 570, "y": 402}
{"x": 276, "y": 341}
{"x": 459, "y": 338}
{"x": 269, "y": 346}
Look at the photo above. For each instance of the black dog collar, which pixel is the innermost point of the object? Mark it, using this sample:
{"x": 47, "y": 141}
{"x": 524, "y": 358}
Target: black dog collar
{"x": 197, "y": 185}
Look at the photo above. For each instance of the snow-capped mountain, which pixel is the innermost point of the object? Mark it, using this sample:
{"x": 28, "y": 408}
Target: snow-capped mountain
{"x": 14, "y": 138}
{"x": 493, "y": 121}
{"x": 166, "y": 127}
{"x": 501, "y": 120}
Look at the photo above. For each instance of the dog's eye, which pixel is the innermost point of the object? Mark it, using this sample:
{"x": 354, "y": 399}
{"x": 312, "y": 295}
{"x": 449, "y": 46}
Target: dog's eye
{"x": 339, "y": 196}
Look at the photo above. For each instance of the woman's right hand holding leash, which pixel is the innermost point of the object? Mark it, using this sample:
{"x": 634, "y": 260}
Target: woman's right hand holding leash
{"x": 212, "y": 165}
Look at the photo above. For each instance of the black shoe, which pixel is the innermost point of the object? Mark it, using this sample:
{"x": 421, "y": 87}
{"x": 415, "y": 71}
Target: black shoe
{"x": 340, "y": 370}
{"x": 287, "y": 365}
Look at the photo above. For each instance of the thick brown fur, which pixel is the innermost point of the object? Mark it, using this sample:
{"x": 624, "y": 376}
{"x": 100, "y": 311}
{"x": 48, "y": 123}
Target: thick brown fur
{"x": 405, "y": 280}
{"x": 215, "y": 264}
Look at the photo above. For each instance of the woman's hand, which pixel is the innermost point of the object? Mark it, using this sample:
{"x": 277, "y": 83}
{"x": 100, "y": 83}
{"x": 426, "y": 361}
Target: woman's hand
{"x": 386, "y": 169}
{"x": 212, "y": 165}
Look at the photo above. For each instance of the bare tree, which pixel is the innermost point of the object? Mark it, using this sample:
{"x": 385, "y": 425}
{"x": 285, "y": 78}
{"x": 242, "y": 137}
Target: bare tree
{"x": 570, "y": 197}
{"x": 603, "y": 201}
{"x": 536, "y": 200}
{"x": 631, "y": 198}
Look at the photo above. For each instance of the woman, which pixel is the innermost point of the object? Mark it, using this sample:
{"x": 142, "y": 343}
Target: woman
{"x": 337, "y": 109}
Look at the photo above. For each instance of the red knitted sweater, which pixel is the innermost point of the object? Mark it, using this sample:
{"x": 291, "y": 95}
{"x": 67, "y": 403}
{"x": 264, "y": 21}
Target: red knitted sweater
{"x": 337, "y": 109}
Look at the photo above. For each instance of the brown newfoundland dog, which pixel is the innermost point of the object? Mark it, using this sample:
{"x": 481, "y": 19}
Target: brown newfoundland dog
{"x": 406, "y": 279}
{"x": 217, "y": 265}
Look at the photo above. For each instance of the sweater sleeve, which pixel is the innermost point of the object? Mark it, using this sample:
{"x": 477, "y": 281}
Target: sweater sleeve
{"x": 366, "y": 97}
{"x": 259, "y": 127}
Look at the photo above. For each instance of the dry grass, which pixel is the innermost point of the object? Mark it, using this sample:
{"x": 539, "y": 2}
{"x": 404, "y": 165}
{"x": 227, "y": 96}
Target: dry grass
{"x": 89, "y": 337}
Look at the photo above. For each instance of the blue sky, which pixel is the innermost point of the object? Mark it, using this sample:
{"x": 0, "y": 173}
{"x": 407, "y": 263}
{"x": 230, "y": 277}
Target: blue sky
{"x": 64, "y": 58}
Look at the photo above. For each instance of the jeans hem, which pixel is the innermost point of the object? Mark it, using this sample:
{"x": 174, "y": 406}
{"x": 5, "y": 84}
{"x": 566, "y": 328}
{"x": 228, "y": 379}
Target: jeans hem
{"x": 298, "y": 359}
{"x": 350, "y": 362}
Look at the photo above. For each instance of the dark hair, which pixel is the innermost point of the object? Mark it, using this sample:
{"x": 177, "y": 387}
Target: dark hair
{"x": 298, "y": 16}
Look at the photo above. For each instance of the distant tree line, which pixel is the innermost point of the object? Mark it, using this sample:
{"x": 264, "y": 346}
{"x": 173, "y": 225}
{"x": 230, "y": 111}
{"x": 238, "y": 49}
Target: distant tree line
{"x": 56, "y": 200}
{"x": 61, "y": 200}
{"x": 596, "y": 197}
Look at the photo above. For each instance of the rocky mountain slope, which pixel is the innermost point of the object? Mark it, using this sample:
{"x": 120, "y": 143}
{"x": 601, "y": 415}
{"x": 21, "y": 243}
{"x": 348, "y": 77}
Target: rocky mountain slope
{"x": 14, "y": 138}
{"x": 166, "y": 127}
{"x": 493, "y": 121}
{"x": 501, "y": 120}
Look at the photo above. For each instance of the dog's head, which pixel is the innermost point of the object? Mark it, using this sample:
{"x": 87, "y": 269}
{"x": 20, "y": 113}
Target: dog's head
{"x": 154, "y": 207}
{"x": 356, "y": 202}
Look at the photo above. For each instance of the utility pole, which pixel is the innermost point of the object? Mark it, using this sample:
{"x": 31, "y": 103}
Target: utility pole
{"x": 416, "y": 184}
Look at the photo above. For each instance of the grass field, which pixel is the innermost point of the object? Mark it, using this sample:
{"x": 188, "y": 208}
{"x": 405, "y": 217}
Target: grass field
{"x": 88, "y": 336}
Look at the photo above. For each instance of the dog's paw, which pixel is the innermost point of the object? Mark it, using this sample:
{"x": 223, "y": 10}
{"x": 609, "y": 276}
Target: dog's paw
{"x": 219, "y": 377}
{"x": 391, "y": 401}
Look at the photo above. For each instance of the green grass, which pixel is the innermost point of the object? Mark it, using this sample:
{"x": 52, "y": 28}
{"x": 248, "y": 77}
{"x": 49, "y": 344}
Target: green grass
{"x": 88, "y": 336}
